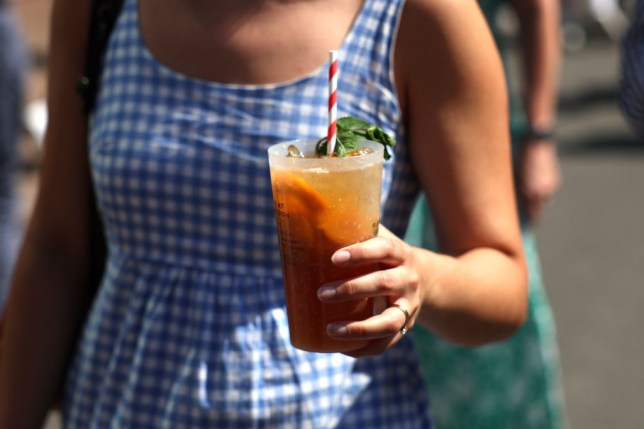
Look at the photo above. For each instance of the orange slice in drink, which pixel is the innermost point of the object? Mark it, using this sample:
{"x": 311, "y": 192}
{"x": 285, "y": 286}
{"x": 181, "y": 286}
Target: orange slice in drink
{"x": 346, "y": 225}
{"x": 298, "y": 206}
{"x": 297, "y": 195}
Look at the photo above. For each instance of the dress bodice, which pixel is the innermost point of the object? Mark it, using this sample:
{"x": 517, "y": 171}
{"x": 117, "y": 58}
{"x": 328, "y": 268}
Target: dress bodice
{"x": 180, "y": 164}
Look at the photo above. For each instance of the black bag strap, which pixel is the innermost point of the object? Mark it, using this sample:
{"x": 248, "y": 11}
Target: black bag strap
{"x": 103, "y": 15}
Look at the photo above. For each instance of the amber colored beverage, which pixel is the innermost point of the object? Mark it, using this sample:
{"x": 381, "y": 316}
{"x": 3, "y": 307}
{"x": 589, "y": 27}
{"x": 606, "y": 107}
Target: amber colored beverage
{"x": 322, "y": 205}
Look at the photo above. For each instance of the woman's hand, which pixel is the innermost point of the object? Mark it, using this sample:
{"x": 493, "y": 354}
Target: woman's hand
{"x": 540, "y": 176}
{"x": 396, "y": 286}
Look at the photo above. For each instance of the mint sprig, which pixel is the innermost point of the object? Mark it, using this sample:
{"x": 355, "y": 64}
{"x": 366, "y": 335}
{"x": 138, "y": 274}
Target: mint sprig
{"x": 349, "y": 131}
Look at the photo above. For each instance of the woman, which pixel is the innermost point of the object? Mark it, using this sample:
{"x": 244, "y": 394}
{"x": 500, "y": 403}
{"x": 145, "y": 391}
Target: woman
{"x": 188, "y": 328}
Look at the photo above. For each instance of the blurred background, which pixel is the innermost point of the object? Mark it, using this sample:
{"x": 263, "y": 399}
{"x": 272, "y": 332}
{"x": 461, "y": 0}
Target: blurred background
{"x": 591, "y": 239}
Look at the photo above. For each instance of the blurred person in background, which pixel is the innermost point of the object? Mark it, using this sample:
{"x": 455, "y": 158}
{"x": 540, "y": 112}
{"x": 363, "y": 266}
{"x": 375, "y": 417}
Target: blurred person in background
{"x": 631, "y": 95}
{"x": 517, "y": 383}
{"x": 13, "y": 71}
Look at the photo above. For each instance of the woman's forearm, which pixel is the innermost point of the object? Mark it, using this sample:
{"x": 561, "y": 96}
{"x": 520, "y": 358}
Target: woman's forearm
{"x": 541, "y": 53}
{"x": 471, "y": 299}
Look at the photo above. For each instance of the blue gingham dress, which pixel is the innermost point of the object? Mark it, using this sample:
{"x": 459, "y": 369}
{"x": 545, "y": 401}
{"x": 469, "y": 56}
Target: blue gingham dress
{"x": 189, "y": 327}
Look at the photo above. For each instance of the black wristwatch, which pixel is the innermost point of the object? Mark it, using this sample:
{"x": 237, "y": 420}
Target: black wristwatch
{"x": 536, "y": 133}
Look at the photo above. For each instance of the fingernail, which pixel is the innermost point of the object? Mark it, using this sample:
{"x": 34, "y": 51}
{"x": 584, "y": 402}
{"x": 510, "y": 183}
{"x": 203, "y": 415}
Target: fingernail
{"x": 337, "y": 329}
{"x": 341, "y": 257}
{"x": 326, "y": 293}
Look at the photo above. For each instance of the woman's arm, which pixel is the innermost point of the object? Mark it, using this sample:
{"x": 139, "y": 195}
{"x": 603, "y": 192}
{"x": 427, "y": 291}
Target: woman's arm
{"x": 453, "y": 93}
{"x": 50, "y": 290}
{"x": 539, "y": 174}
{"x": 456, "y": 105}
{"x": 541, "y": 55}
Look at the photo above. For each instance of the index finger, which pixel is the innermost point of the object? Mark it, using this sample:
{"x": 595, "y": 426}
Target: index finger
{"x": 377, "y": 249}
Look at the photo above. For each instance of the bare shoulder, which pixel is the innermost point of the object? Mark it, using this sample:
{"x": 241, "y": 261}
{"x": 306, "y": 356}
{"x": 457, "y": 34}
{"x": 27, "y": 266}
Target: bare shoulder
{"x": 437, "y": 6}
{"x": 442, "y": 28}
{"x": 428, "y": 15}
{"x": 446, "y": 45}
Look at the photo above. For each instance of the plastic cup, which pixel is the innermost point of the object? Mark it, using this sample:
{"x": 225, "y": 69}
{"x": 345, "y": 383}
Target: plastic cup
{"x": 321, "y": 205}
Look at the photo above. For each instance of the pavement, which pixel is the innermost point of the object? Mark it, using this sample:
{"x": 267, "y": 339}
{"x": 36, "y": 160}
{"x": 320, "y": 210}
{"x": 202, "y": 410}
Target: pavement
{"x": 591, "y": 240}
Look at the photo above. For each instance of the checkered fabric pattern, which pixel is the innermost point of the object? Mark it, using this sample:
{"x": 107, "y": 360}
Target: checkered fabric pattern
{"x": 189, "y": 327}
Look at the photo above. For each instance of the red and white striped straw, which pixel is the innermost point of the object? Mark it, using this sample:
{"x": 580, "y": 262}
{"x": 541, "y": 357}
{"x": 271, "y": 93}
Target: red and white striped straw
{"x": 333, "y": 99}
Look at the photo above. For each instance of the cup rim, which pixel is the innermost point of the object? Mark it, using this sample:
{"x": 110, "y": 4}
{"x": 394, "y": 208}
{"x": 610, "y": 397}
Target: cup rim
{"x": 279, "y": 150}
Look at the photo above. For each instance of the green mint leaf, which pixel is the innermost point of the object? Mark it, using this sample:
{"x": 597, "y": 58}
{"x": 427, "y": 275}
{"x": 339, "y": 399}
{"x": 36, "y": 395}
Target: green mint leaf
{"x": 340, "y": 148}
{"x": 348, "y": 140}
{"x": 349, "y": 131}
{"x": 348, "y": 123}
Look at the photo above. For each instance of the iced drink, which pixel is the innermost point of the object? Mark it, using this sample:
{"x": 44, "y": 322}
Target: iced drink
{"x": 321, "y": 205}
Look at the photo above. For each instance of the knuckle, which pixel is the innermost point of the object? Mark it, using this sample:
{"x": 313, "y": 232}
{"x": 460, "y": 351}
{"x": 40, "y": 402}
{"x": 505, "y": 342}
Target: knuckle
{"x": 393, "y": 325}
{"x": 390, "y": 247}
{"x": 386, "y": 281}
{"x": 349, "y": 288}
{"x": 356, "y": 330}
{"x": 392, "y": 329}
{"x": 414, "y": 281}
